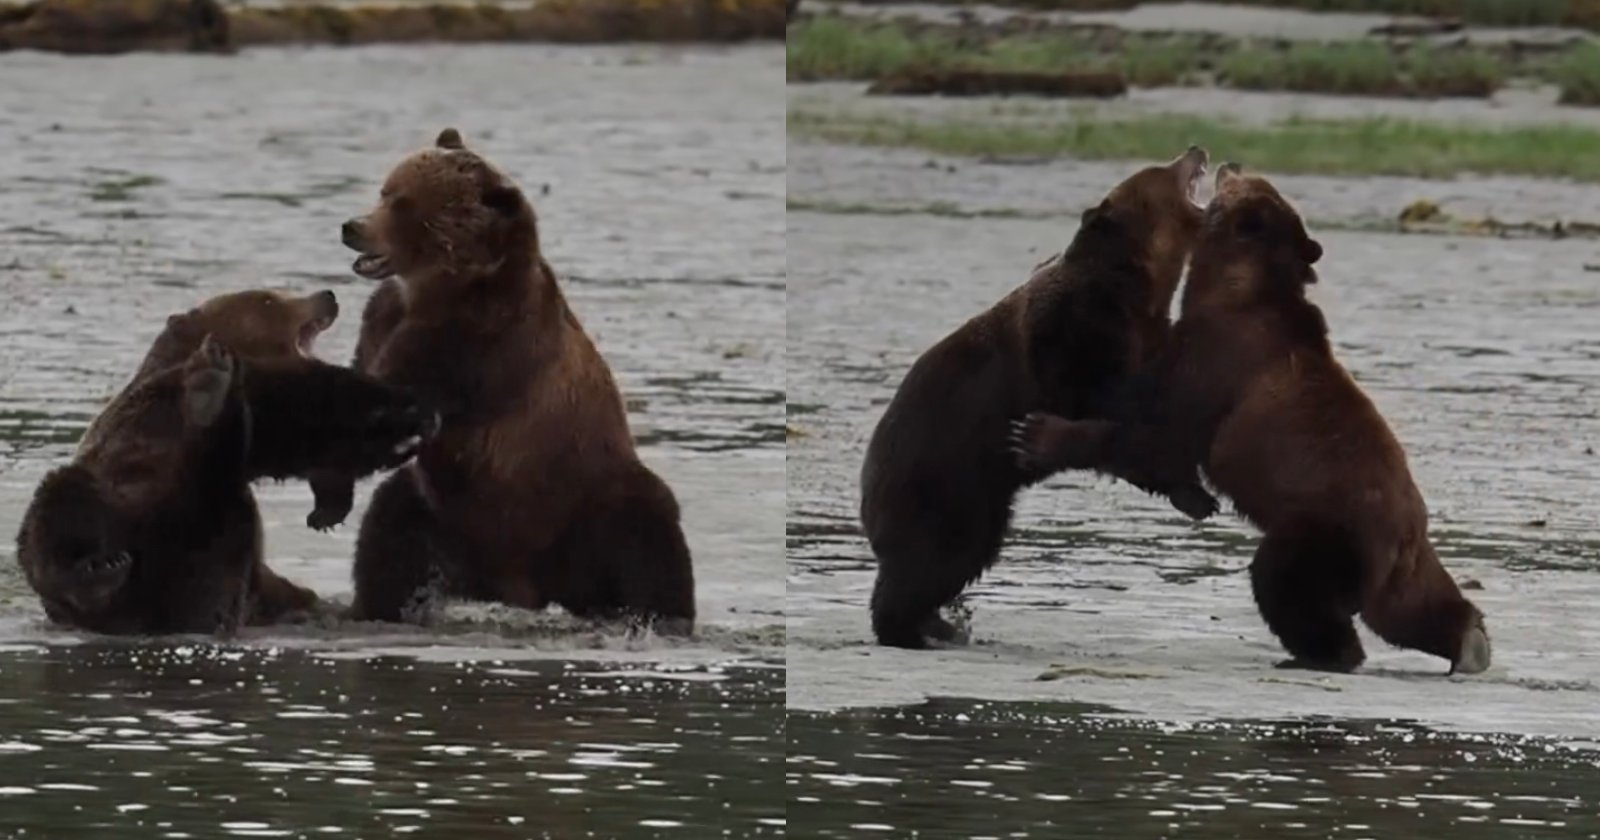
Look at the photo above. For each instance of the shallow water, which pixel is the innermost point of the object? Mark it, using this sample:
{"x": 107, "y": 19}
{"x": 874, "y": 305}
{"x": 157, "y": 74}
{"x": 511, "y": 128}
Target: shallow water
{"x": 1480, "y": 353}
{"x": 195, "y": 741}
{"x": 956, "y": 768}
{"x": 137, "y": 186}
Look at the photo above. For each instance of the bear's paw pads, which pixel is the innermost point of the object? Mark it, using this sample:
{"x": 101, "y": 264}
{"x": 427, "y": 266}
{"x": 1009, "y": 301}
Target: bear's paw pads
{"x": 206, "y": 383}
{"x": 1475, "y": 653}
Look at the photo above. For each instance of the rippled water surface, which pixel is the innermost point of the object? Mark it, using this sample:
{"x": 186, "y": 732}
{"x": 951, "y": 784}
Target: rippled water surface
{"x": 136, "y": 186}
{"x": 195, "y": 741}
{"x": 1482, "y": 355}
{"x": 951, "y": 769}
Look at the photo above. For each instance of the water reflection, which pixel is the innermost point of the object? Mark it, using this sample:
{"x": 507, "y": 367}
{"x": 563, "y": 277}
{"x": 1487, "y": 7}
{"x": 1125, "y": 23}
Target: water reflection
{"x": 958, "y": 768}
{"x": 199, "y": 741}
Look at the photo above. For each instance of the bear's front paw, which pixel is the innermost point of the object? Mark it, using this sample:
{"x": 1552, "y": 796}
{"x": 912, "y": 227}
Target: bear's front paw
{"x": 207, "y": 378}
{"x": 333, "y": 495}
{"x": 94, "y": 580}
{"x": 327, "y": 517}
{"x": 403, "y": 431}
{"x": 1028, "y": 442}
{"x": 1193, "y": 501}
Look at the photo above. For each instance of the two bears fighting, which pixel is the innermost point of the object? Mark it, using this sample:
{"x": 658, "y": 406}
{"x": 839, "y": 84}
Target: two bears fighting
{"x": 518, "y": 480}
{"x": 1080, "y": 369}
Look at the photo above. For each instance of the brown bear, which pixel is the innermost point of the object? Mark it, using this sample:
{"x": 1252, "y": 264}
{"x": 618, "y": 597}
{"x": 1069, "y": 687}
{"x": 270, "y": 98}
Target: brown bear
{"x": 532, "y": 492}
{"x": 1250, "y": 391}
{"x": 938, "y": 483}
{"x": 153, "y": 528}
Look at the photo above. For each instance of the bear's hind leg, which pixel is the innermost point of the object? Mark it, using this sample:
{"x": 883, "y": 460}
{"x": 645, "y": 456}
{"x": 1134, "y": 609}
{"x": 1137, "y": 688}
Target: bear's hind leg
{"x": 1305, "y": 588}
{"x": 66, "y": 546}
{"x": 924, "y": 565}
{"x": 906, "y": 600}
{"x": 642, "y": 562}
{"x": 1425, "y": 611}
{"x": 399, "y": 572}
{"x": 272, "y": 597}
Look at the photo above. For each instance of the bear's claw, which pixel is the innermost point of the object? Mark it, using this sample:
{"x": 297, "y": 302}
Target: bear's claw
{"x": 1475, "y": 653}
{"x": 106, "y": 565}
{"x": 1021, "y": 443}
{"x": 206, "y": 384}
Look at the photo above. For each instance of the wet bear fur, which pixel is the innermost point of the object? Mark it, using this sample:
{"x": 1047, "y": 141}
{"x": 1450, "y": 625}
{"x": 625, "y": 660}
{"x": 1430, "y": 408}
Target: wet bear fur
{"x": 1251, "y": 393}
{"x": 153, "y": 527}
{"x": 532, "y": 493}
{"x": 938, "y": 483}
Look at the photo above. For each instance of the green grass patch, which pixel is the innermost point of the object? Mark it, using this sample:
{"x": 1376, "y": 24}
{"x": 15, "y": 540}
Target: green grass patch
{"x": 836, "y": 48}
{"x": 1375, "y": 146}
{"x": 831, "y": 47}
{"x": 1446, "y": 71}
{"x": 1160, "y": 64}
{"x": 1577, "y": 72}
{"x": 1354, "y": 68}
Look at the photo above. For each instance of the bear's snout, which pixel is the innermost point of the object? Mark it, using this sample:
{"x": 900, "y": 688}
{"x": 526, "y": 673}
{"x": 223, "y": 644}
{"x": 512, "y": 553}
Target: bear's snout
{"x": 354, "y": 234}
{"x": 326, "y": 305}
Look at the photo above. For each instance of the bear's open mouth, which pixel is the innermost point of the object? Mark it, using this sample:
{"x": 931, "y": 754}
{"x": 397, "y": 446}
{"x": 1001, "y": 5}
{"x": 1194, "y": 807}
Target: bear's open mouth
{"x": 307, "y": 337}
{"x": 1195, "y": 181}
{"x": 372, "y": 266}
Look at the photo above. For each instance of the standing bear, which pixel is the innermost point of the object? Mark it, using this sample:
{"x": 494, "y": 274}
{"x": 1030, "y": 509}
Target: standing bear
{"x": 532, "y": 493}
{"x": 153, "y": 527}
{"x": 938, "y": 482}
{"x": 1250, "y": 391}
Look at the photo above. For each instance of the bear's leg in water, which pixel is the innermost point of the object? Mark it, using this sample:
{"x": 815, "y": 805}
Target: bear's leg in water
{"x": 922, "y": 570}
{"x": 1306, "y": 585}
{"x": 643, "y": 563}
{"x": 400, "y": 563}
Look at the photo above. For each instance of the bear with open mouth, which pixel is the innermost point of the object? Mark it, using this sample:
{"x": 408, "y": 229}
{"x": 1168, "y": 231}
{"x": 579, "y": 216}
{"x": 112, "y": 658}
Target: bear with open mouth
{"x": 1250, "y": 392}
{"x": 937, "y": 483}
{"x": 532, "y": 493}
{"x": 153, "y": 527}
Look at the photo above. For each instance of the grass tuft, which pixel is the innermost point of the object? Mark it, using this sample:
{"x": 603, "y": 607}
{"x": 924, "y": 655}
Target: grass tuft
{"x": 1373, "y": 146}
{"x": 1578, "y": 74}
{"x": 835, "y": 48}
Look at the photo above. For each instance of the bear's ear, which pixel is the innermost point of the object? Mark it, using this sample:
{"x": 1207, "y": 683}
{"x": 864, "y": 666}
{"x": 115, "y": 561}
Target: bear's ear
{"x": 502, "y": 199}
{"x": 450, "y": 139}
{"x": 183, "y": 321}
{"x": 1098, "y": 216}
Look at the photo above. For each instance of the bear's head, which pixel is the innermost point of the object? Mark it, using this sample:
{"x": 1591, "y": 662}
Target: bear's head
{"x": 1154, "y": 216}
{"x": 257, "y": 325}
{"x": 1254, "y": 246}
{"x": 444, "y": 213}
{"x": 260, "y": 324}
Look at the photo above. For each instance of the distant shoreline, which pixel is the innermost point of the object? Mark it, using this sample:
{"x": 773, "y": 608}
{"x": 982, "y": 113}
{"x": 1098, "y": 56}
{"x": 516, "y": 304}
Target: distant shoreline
{"x": 102, "y": 27}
